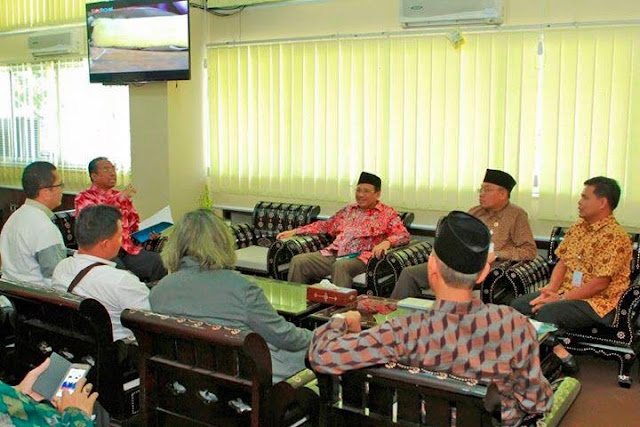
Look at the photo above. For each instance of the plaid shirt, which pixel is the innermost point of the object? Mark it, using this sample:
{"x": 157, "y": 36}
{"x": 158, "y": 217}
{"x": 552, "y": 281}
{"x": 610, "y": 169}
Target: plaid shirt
{"x": 469, "y": 339}
{"x": 357, "y": 230}
{"x": 130, "y": 217}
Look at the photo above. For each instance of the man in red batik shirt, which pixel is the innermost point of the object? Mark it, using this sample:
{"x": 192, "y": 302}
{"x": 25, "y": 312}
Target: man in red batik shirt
{"x": 145, "y": 264}
{"x": 361, "y": 230}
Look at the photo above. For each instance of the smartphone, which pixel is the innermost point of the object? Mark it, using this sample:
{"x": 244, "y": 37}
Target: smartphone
{"x": 59, "y": 376}
{"x": 76, "y": 372}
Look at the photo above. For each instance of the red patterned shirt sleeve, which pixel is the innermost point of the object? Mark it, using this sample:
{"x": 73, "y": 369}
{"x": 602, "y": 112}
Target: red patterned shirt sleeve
{"x": 398, "y": 234}
{"x": 327, "y": 226}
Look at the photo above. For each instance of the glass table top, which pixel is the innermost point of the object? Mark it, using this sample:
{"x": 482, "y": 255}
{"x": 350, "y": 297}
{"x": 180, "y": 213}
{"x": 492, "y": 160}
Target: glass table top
{"x": 285, "y": 297}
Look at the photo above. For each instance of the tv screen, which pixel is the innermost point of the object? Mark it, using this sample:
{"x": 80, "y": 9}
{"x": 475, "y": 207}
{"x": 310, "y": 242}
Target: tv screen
{"x": 138, "y": 41}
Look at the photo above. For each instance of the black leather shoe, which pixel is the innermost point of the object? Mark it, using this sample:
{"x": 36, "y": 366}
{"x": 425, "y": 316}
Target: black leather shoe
{"x": 569, "y": 365}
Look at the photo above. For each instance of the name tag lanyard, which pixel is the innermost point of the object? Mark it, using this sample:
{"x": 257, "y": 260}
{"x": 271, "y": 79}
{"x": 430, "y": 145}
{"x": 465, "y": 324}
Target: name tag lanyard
{"x": 576, "y": 280}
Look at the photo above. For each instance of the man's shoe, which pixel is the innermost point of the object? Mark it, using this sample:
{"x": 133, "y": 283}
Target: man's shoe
{"x": 569, "y": 365}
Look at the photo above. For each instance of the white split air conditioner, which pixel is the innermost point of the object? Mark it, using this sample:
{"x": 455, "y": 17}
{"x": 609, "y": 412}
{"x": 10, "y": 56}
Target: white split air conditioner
{"x": 55, "y": 43}
{"x": 440, "y": 13}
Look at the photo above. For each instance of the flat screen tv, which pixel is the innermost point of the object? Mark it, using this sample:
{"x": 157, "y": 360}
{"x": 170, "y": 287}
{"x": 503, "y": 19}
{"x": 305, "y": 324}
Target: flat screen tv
{"x": 138, "y": 41}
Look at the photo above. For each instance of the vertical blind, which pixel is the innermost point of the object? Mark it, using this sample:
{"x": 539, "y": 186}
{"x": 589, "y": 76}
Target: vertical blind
{"x": 591, "y": 117}
{"x": 16, "y": 14}
{"x": 49, "y": 111}
{"x": 301, "y": 120}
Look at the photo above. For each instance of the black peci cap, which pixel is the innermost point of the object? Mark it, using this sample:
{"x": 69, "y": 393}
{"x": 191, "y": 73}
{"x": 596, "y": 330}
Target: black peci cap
{"x": 462, "y": 242}
{"x": 498, "y": 177}
{"x": 369, "y": 178}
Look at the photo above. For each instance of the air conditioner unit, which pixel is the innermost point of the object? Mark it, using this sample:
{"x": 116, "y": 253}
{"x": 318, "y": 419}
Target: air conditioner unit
{"x": 440, "y": 13}
{"x": 55, "y": 43}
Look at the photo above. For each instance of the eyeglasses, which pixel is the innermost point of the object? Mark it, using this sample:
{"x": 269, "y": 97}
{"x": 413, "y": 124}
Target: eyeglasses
{"x": 364, "y": 191}
{"x": 61, "y": 185}
{"x": 485, "y": 190}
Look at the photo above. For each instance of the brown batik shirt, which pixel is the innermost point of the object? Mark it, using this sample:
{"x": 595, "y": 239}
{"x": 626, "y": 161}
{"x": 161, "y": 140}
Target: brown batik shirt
{"x": 511, "y": 233}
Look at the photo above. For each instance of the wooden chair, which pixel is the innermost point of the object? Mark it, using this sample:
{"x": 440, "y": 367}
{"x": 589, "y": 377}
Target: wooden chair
{"x": 197, "y": 373}
{"x": 66, "y": 223}
{"x": 254, "y": 241}
{"x": 381, "y": 396}
{"x": 78, "y": 329}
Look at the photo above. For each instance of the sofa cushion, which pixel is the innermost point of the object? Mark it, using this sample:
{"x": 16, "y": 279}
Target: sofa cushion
{"x": 252, "y": 258}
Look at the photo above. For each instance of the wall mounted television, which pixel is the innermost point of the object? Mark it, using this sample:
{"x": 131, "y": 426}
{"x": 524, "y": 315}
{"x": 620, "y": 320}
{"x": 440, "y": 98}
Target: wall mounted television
{"x": 138, "y": 41}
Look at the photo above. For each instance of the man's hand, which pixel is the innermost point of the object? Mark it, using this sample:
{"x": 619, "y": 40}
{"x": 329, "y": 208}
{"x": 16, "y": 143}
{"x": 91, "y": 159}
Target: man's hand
{"x": 381, "y": 248}
{"x": 82, "y": 398}
{"x": 154, "y": 236}
{"x": 286, "y": 234}
{"x": 27, "y": 383}
{"x": 353, "y": 319}
{"x": 128, "y": 191}
{"x": 546, "y": 296}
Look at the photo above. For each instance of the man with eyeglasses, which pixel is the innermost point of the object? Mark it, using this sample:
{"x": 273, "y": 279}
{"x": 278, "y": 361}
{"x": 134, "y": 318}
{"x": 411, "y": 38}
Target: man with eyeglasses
{"x": 361, "y": 230}
{"x": 147, "y": 265}
{"x": 31, "y": 245}
{"x": 511, "y": 235}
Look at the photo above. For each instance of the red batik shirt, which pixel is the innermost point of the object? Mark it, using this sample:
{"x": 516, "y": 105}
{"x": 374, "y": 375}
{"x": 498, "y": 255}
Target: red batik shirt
{"x": 130, "y": 217}
{"x": 359, "y": 230}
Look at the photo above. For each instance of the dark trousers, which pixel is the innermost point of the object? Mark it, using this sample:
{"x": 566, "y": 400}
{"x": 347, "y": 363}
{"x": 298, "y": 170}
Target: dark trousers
{"x": 565, "y": 314}
{"x": 412, "y": 282}
{"x": 146, "y": 265}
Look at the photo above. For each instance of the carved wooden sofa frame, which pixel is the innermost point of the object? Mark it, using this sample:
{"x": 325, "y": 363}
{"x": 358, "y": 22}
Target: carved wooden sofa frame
{"x": 194, "y": 372}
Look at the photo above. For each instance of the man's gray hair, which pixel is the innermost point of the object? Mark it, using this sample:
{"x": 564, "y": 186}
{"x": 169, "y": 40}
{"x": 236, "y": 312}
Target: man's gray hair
{"x": 454, "y": 278}
{"x": 203, "y": 236}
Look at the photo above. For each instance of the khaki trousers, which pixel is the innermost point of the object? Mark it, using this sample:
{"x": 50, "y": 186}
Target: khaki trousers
{"x": 313, "y": 267}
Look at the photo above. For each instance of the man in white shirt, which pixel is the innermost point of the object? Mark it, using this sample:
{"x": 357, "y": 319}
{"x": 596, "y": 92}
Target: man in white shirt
{"x": 30, "y": 244}
{"x": 99, "y": 235}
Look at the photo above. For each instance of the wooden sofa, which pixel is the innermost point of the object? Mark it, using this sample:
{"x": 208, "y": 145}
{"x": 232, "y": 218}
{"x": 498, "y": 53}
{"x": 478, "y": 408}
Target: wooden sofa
{"x": 197, "y": 373}
{"x": 376, "y": 277}
{"x": 254, "y": 241}
{"x": 381, "y": 396}
{"x": 77, "y": 328}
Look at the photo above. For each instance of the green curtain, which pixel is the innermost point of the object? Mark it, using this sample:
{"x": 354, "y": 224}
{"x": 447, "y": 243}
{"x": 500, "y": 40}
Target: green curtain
{"x": 302, "y": 119}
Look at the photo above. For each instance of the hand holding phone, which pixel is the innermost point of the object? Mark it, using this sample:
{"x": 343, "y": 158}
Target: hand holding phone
{"x": 82, "y": 399}
{"x": 59, "y": 376}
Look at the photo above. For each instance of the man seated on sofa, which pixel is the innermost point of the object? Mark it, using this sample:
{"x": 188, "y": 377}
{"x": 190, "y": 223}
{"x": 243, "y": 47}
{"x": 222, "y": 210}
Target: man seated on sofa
{"x": 91, "y": 273}
{"x": 147, "y": 265}
{"x": 511, "y": 236}
{"x": 360, "y": 230}
{"x": 593, "y": 268}
{"x": 30, "y": 244}
{"x": 457, "y": 336}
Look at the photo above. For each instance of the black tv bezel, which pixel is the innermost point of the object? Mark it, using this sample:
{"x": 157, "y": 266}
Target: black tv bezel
{"x": 135, "y": 76}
